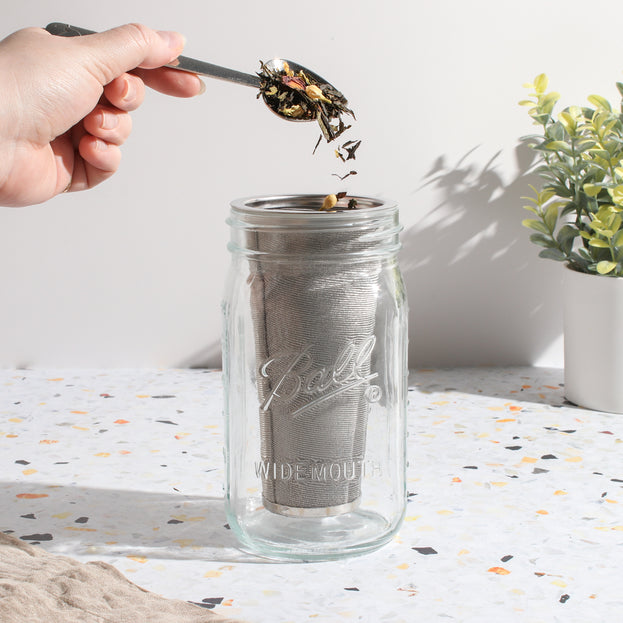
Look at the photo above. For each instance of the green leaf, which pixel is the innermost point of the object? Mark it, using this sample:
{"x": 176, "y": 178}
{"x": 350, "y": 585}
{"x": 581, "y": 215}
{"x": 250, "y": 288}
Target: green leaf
{"x": 580, "y": 258}
{"x": 540, "y": 83}
{"x": 592, "y": 190}
{"x": 544, "y": 196}
{"x": 610, "y": 125}
{"x": 568, "y": 209}
{"x": 617, "y": 239}
{"x": 539, "y": 226}
{"x": 551, "y": 216}
{"x": 585, "y": 144}
{"x": 605, "y": 213}
{"x": 600, "y": 244}
{"x": 568, "y": 121}
{"x": 600, "y": 153}
{"x": 565, "y": 148}
{"x": 617, "y": 194}
{"x": 565, "y": 237}
{"x": 620, "y": 87}
{"x": 599, "y": 119}
{"x": 547, "y": 102}
{"x": 584, "y": 254}
{"x": 600, "y": 102}
{"x": 553, "y": 254}
{"x": 556, "y": 131}
{"x": 532, "y": 199}
{"x": 605, "y": 267}
{"x": 540, "y": 119}
{"x": 542, "y": 146}
{"x": 567, "y": 231}
{"x": 543, "y": 241}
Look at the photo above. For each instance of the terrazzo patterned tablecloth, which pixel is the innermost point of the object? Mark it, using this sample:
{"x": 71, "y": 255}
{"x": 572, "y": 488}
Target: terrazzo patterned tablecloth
{"x": 515, "y": 508}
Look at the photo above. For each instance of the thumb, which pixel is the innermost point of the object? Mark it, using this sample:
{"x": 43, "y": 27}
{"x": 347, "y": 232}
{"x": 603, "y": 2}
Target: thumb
{"x": 124, "y": 48}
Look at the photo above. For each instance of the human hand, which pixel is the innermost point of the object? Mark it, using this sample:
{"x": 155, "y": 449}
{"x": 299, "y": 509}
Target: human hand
{"x": 65, "y": 103}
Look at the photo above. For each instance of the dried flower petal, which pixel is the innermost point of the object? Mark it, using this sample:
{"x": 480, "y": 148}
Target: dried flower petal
{"x": 294, "y": 82}
{"x": 315, "y": 93}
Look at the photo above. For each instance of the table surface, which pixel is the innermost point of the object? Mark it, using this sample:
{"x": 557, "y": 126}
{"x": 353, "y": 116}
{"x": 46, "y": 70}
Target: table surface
{"x": 514, "y": 510}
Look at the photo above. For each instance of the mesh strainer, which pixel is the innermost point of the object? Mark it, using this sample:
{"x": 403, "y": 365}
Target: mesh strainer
{"x": 313, "y": 301}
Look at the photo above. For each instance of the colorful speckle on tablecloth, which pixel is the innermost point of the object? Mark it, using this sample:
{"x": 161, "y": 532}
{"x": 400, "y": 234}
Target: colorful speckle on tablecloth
{"x": 514, "y": 512}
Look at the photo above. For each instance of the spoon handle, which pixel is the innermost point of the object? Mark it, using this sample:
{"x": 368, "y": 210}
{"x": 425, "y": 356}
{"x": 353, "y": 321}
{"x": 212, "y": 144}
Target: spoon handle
{"x": 183, "y": 63}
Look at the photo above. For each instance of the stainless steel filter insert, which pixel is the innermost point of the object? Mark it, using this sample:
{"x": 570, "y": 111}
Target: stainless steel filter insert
{"x": 314, "y": 285}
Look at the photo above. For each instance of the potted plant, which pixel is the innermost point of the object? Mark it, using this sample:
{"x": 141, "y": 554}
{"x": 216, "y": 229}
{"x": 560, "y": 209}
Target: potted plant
{"x": 577, "y": 218}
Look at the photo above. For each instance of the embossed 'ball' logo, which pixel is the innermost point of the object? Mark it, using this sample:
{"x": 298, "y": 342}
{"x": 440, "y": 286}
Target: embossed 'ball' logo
{"x": 295, "y": 378}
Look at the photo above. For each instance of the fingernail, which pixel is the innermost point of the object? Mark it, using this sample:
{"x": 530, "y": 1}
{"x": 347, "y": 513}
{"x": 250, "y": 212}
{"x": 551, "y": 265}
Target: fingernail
{"x": 130, "y": 91}
{"x": 108, "y": 121}
{"x": 175, "y": 40}
{"x": 202, "y": 87}
{"x": 100, "y": 145}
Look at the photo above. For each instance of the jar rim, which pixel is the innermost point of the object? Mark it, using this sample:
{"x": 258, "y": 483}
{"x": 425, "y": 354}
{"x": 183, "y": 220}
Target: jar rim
{"x": 286, "y": 208}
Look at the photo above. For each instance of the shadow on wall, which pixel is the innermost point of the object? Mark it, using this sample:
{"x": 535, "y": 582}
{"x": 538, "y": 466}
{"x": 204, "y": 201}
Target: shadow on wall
{"x": 478, "y": 294}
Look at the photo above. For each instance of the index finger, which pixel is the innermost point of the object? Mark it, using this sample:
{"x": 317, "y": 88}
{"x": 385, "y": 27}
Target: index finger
{"x": 171, "y": 81}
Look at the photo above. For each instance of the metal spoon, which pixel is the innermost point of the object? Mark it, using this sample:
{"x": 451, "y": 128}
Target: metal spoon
{"x": 185, "y": 63}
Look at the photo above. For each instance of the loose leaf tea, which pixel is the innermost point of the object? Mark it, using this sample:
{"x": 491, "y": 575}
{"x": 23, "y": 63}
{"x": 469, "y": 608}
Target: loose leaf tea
{"x": 343, "y": 177}
{"x": 347, "y": 150}
{"x": 298, "y": 96}
{"x": 330, "y": 202}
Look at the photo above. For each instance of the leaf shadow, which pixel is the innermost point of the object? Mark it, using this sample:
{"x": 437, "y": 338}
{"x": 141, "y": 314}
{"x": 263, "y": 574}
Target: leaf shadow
{"x": 478, "y": 294}
{"x": 528, "y": 385}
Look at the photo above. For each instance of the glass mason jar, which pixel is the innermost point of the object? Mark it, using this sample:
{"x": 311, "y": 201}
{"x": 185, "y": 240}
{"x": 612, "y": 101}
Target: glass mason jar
{"x": 315, "y": 377}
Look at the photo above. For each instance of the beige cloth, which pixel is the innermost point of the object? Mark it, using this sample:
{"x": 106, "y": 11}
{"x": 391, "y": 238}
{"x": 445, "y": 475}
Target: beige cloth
{"x": 38, "y": 587}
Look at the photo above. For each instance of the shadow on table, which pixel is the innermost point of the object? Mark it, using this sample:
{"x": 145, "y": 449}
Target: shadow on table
{"x": 74, "y": 520}
{"x": 519, "y": 383}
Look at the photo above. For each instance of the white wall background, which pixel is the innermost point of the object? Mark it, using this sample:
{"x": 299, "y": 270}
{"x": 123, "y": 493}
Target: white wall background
{"x": 131, "y": 273}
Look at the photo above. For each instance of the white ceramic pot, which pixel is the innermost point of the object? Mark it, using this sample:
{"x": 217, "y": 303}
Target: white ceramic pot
{"x": 593, "y": 330}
